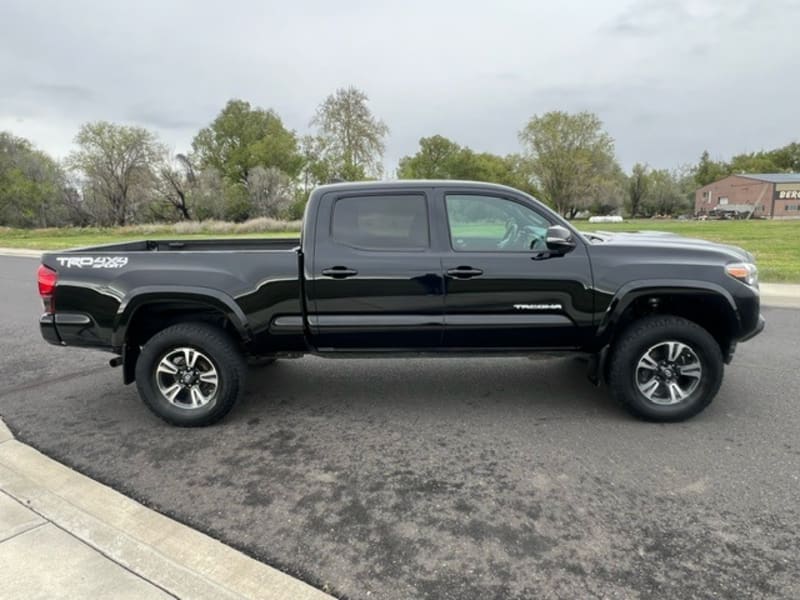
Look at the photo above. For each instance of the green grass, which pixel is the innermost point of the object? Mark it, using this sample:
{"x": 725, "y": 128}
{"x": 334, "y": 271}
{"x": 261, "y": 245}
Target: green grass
{"x": 76, "y": 237}
{"x": 83, "y": 237}
{"x": 775, "y": 244}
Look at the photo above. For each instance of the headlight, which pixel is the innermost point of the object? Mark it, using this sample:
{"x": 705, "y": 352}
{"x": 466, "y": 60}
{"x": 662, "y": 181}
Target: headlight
{"x": 744, "y": 272}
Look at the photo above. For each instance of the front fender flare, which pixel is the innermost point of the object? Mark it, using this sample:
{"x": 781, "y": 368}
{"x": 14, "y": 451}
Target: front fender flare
{"x": 643, "y": 287}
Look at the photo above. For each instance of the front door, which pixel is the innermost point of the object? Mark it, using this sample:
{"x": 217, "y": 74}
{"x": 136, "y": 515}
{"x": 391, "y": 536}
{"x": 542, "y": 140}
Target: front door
{"x": 375, "y": 284}
{"x": 503, "y": 289}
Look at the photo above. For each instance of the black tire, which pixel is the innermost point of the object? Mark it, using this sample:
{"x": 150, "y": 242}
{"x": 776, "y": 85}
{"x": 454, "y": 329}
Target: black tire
{"x": 641, "y": 337}
{"x": 216, "y": 349}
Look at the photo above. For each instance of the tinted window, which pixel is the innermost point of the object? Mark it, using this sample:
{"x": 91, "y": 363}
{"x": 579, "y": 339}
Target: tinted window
{"x": 491, "y": 224}
{"x": 381, "y": 222}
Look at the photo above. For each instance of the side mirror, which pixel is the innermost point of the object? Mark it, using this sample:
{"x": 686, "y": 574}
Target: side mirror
{"x": 560, "y": 239}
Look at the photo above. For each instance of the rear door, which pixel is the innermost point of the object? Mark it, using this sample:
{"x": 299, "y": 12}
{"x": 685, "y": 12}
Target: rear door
{"x": 374, "y": 282}
{"x": 504, "y": 290}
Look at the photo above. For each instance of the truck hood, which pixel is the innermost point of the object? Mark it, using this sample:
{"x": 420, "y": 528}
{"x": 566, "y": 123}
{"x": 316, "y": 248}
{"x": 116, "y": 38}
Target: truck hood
{"x": 664, "y": 239}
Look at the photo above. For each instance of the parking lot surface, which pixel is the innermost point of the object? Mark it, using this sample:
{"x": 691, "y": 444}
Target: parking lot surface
{"x": 445, "y": 478}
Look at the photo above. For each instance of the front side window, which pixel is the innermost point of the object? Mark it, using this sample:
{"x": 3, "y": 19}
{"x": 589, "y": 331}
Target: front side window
{"x": 382, "y": 222}
{"x": 492, "y": 224}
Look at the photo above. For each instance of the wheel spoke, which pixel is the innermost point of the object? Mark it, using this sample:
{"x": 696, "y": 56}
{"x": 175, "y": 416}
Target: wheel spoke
{"x": 674, "y": 350}
{"x": 647, "y": 362}
{"x": 676, "y": 394}
{"x": 692, "y": 370}
{"x": 210, "y": 378}
{"x": 649, "y": 388}
{"x": 172, "y": 392}
{"x": 190, "y": 356}
{"x": 167, "y": 366}
{"x": 197, "y": 396}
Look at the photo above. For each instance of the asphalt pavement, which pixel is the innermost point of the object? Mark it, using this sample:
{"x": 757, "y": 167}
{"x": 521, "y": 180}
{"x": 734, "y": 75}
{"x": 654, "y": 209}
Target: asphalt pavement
{"x": 445, "y": 478}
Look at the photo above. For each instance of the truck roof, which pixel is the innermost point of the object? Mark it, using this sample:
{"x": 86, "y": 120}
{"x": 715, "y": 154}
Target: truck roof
{"x": 412, "y": 183}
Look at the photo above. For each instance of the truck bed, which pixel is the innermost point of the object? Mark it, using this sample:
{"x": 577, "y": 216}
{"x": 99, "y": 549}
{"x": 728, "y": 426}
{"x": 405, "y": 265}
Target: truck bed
{"x": 197, "y": 245}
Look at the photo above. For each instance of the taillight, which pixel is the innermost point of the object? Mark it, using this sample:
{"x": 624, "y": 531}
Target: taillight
{"x": 47, "y": 279}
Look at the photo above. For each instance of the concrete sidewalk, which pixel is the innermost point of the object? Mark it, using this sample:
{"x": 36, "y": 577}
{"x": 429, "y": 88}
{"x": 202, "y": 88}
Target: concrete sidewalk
{"x": 63, "y": 535}
{"x": 785, "y": 295}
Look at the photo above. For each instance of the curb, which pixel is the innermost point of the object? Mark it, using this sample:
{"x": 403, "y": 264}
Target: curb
{"x": 171, "y": 556}
{"x": 783, "y": 295}
{"x": 21, "y": 252}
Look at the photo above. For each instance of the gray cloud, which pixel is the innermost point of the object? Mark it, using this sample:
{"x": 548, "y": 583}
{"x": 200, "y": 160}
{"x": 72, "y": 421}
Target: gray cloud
{"x": 154, "y": 116}
{"x": 63, "y": 91}
{"x": 668, "y": 77}
{"x": 646, "y": 17}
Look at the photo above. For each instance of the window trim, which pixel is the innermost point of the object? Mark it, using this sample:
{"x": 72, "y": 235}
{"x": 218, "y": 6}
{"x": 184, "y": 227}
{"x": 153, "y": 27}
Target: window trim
{"x": 487, "y": 194}
{"x": 419, "y": 194}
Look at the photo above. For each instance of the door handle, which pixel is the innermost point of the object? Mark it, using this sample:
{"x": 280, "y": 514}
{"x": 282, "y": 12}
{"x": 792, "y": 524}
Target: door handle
{"x": 464, "y": 272}
{"x": 339, "y": 272}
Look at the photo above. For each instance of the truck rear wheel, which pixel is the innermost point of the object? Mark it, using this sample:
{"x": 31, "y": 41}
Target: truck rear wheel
{"x": 665, "y": 368}
{"x": 190, "y": 374}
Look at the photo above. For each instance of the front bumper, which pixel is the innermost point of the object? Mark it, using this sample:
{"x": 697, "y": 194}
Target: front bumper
{"x": 758, "y": 329}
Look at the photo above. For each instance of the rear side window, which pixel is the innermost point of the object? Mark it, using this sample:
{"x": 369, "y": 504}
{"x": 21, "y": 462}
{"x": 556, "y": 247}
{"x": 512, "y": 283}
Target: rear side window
{"x": 382, "y": 222}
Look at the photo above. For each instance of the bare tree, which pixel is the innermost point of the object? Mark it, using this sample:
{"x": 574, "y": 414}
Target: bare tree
{"x": 638, "y": 188}
{"x": 351, "y": 138}
{"x": 176, "y": 177}
{"x": 270, "y": 190}
{"x": 117, "y": 162}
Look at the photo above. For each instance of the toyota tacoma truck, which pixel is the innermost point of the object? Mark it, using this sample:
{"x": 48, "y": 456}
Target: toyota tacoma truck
{"x": 409, "y": 268}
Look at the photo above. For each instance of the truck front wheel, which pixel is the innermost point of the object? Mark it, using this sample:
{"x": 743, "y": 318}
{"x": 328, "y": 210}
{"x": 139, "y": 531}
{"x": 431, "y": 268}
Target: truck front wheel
{"x": 190, "y": 374}
{"x": 665, "y": 368}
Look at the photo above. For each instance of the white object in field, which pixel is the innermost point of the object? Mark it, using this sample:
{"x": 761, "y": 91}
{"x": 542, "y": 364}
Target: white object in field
{"x": 606, "y": 219}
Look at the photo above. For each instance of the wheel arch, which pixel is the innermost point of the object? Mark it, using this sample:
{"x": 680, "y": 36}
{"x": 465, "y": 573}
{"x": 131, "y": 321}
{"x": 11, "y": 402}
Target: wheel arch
{"x": 152, "y": 309}
{"x": 705, "y": 303}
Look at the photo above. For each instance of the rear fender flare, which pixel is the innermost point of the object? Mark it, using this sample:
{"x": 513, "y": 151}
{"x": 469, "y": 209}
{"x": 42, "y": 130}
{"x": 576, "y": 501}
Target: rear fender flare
{"x": 200, "y": 296}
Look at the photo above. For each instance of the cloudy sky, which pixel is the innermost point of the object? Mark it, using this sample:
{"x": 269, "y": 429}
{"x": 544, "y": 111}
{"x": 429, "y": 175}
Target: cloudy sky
{"x": 668, "y": 77}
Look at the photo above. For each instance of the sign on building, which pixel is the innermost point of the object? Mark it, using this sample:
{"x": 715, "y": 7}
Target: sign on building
{"x": 787, "y": 191}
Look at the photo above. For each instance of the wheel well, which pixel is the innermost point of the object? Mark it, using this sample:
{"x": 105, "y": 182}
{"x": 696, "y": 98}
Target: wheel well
{"x": 151, "y": 318}
{"x": 710, "y": 311}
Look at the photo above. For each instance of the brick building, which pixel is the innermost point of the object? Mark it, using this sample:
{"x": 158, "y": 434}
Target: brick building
{"x": 771, "y": 195}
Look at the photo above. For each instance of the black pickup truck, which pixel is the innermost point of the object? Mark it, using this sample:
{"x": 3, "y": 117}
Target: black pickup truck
{"x": 409, "y": 268}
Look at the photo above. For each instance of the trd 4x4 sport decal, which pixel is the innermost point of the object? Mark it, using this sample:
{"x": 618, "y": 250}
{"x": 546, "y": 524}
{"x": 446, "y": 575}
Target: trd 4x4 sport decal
{"x": 93, "y": 262}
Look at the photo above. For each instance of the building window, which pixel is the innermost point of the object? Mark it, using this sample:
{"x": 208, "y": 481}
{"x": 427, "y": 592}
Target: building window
{"x": 723, "y": 200}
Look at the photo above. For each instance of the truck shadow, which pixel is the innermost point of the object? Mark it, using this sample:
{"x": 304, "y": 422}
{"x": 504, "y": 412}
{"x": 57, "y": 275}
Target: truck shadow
{"x": 553, "y": 388}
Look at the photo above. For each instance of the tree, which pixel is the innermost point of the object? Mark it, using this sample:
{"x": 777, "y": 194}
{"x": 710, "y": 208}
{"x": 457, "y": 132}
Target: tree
{"x": 207, "y": 195}
{"x": 31, "y": 185}
{"x": 708, "y": 170}
{"x": 608, "y": 195}
{"x": 117, "y": 163}
{"x": 569, "y": 157}
{"x": 670, "y": 192}
{"x": 754, "y": 162}
{"x": 787, "y": 159}
{"x": 176, "y": 176}
{"x": 437, "y": 158}
{"x": 350, "y": 137}
{"x": 241, "y": 138}
{"x": 441, "y": 158}
{"x": 271, "y": 192}
{"x": 638, "y": 188}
